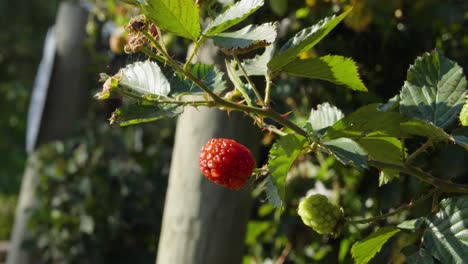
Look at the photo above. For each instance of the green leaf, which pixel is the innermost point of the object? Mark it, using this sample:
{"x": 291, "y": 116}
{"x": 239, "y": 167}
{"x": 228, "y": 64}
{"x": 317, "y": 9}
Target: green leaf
{"x": 209, "y": 74}
{"x": 348, "y": 152}
{"x": 257, "y": 66}
{"x": 181, "y": 17}
{"x": 387, "y": 149}
{"x": 249, "y": 38}
{"x": 434, "y": 91}
{"x": 232, "y": 16}
{"x": 144, "y": 78}
{"x": 412, "y": 224}
{"x": 446, "y": 235}
{"x": 464, "y": 114}
{"x": 304, "y": 40}
{"x": 282, "y": 155}
{"x": 367, "y": 121}
{"x": 136, "y": 114}
{"x": 325, "y": 116}
{"x": 363, "y": 251}
{"x": 425, "y": 129}
{"x": 387, "y": 175}
{"x": 272, "y": 193}
{"x": 336, "y": 69}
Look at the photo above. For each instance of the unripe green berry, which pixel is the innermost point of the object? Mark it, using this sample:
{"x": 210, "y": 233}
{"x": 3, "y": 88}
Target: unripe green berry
{"x": 317, "y": 212}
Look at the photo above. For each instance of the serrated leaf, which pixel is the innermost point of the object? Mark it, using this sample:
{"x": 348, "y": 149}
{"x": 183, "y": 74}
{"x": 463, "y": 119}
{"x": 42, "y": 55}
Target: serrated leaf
{"x": 272, "y": 193}
{"x": 348, "y": 152}
{"x": 325, "y": 116}
{"x": 135, "y": 114}
{"x": 363, "y": 251}
{"x": 209, "y": 74}
{"x": 282, "y": 155}
{"x": 304, "y": 40}
{"x": 232, "y": 16}
{"x": 446, "y": 235}
{"x": 367, "y": 121}
{"x": 181, "y": 17}
{"x": 425, "y": 129}
{"x": 336, "y": 69}
{"x": 257, "y": 66}
{"x": 434, "y": 90}
{"x": 244, "y": 40}
{"x": 144, "y": 78}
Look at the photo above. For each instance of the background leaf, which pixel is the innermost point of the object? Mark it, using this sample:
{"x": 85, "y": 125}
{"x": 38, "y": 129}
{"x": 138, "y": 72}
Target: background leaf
{"x": 249, "y": 38}
{"x": 434, "y": 90}
{"x": 282, "y": 155}
{"x": 232, "y": 16}
{"x": 363, "y": 251}
{"x": 181, "y": 17}
{"x": 332, "y": 68}
{"x": 304, "y": 40}
{"x": 446, "y": 236}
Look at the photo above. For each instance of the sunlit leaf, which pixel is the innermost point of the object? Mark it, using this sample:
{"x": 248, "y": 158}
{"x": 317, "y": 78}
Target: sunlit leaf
{"x": 336, "y": 69}
{"x": 325, "y": 116}
{"x": 363, "y": 251}
{"x": 249, "y": 38}
{"x": 304, "y": 40}
{"x": 181, "y": 17}
{"x": 144, "y": 78}
{"x": 232, "y": 16}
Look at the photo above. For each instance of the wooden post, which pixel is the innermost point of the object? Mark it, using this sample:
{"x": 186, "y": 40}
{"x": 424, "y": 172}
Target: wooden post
{"x": 203, "y": 222}
{"x": 67, "y": 100}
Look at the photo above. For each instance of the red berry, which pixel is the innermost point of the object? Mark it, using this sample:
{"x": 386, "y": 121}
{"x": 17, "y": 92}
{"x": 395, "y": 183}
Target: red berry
{"x": 226, "y": 162}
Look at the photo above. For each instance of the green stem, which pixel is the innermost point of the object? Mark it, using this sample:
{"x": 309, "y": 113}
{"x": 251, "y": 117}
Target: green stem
{"x": 397, "y": 211}
{"x": 442, "y": 185}
{"x": 244, "y": 72}
{"x": 268, "y": 113}
{"x": 194, "y": 52}
{"x": 267, "y": 90}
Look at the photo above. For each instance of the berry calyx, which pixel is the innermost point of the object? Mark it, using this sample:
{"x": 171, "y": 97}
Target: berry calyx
{"x": 226, "y": 162}
{"x": 317, "y": 212}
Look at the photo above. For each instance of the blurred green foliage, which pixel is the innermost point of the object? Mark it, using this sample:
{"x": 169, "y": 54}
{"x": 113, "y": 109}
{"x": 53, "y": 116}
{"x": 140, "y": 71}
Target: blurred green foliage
{"x": 100, "y": 196}
{"x": 25, "y": 24}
